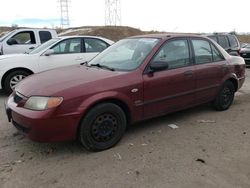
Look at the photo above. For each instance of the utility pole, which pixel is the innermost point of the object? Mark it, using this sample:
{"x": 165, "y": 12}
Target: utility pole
{"x": 64, "y": 8}
{"x": 113, "y": 12}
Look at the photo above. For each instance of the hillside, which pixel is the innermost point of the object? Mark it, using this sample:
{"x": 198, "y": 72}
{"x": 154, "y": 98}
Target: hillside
{"x": 112, "y": 32}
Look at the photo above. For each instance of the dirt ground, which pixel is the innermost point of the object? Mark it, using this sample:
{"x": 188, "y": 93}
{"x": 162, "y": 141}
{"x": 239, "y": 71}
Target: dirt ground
{"x": 210, "y": 149}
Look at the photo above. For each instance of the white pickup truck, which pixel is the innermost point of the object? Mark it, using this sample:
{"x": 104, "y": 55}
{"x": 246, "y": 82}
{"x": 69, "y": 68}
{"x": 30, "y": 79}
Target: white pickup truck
{"x": 24, "y": 40}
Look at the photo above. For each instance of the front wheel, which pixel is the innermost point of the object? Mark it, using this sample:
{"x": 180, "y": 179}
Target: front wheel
{"x": 102, "y": 127}
{"x": 225, "y": 97}
{"x": 13, "y": 78}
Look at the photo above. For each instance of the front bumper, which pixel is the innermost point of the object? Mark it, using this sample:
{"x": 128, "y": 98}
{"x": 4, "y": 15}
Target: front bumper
{"x": 43, "y": 126}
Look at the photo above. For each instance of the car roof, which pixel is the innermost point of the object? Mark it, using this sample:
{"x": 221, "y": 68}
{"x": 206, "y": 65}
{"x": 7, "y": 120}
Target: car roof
{"x": 166, "y": 35}
{"x": 77, "y": 36}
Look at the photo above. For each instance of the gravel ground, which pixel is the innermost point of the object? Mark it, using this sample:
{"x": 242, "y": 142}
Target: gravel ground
{"x": 210, "y": 149}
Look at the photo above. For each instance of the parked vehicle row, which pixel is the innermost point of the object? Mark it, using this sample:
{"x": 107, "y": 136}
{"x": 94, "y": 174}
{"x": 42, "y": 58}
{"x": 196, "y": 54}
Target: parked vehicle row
{"x": 134, "y": 79}
{"x": 57, "y": 52}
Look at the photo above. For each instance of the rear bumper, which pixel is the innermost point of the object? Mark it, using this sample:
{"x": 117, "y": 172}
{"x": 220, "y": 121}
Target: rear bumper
{"x": 43, "y": 126}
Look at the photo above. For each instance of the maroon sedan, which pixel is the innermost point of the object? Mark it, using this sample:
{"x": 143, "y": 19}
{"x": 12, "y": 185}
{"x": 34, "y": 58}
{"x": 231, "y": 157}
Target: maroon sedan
{"x": 135, "y": 79}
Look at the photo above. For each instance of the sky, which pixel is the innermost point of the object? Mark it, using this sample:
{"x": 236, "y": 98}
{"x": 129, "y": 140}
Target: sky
{"x": 202, "y": 16}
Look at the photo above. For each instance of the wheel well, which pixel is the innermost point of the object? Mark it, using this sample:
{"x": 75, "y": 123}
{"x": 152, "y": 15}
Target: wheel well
{"x": 11, "y": 70}
{"x": 118, "y": 102}
{"x": 235, "y": 83}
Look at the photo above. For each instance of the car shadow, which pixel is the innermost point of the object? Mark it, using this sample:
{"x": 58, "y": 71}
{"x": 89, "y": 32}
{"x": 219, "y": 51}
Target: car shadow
{"x": 74, "y": 148}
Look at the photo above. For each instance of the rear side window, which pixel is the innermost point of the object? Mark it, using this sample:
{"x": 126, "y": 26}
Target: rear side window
{"x": 174, "y": 52}
{"x": 95, "y": 45}
{"x": 233, "y": 41}
{"x": 222, "y": 40}
{"x": 44, "y": 36}
{"x": 202, "y": 51}
{"x": 216, "y": 54}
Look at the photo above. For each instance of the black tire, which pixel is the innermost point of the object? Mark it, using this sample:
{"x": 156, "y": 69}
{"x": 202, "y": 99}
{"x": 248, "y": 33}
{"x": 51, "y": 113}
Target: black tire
{"x": 102, "y": 127}
{"x": 7, "y": 85}
{"x": 225, "y": 97}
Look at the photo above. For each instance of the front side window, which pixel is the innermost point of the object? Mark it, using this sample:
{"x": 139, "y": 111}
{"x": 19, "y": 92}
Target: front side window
{"x": 94, "y": 45}
{"x": 44, "y": 46}
{"x": 25, "y": 37}
{"x": 125, "y": 55}
{"x": 175, "y": 53}
{"x": 68, "y": 46}
{"x": 202, "y": 51}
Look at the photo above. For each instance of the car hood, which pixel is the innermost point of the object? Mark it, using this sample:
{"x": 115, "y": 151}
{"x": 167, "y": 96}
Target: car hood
{"x": 9, "y": 56}
{"x": 58, "y": 82}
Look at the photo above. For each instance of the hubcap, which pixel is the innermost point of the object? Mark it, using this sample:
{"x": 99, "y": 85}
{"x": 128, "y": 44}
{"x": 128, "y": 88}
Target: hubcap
{"x": 15, "y": 79}
{"x": 226, "y": 96}
{"x": 104, "y": 127}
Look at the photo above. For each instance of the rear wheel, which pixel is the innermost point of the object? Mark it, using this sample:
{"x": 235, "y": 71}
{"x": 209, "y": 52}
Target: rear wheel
{"x": 102, "y": 127}
{"x": 225, "y": 97}
{"x": 13, "y": 78}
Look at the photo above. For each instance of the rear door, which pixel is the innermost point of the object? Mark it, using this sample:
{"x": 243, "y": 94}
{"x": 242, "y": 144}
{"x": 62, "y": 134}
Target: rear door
{"x": 210, "y": 69}
{"x": 173, "y": 88}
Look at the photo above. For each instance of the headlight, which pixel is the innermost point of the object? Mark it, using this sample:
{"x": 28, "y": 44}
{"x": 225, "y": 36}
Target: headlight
{"x": 42, "y": 103}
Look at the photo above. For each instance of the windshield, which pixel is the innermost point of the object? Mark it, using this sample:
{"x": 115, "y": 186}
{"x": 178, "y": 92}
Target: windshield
{"x": 44, "y": 46}
{"x": 6, "y": 35}
{"x": 125, "y": 55}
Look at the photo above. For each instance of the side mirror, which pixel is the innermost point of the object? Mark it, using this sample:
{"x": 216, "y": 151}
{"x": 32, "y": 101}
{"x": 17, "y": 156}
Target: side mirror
{"x": 12, "y": 41}
{"x": 49, "y": 52}
{"x": 158, "y": 65}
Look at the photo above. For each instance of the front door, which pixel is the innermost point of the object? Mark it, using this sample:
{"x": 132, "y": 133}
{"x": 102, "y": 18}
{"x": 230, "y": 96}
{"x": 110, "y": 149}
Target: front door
{"x": 173, "y": 88}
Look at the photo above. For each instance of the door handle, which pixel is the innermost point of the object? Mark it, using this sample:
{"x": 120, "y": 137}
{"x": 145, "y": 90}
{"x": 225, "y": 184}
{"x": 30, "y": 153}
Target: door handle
{"x": 31, "y": 48}
{"x": 188, "y": 73}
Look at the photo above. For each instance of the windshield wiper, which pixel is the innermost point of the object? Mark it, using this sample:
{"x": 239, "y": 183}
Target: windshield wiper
{"x": 84, "y": 63}
{"x": 101, "y": 66}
